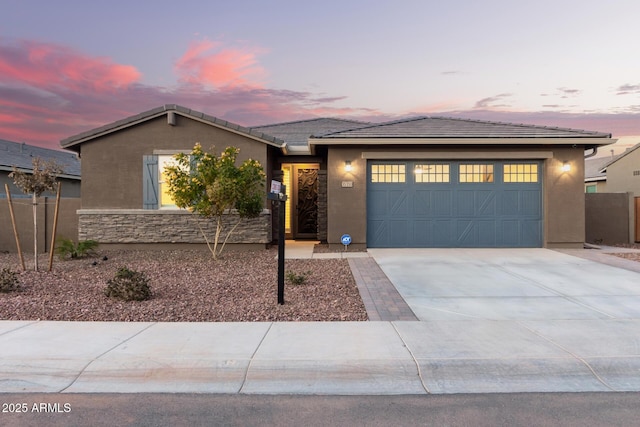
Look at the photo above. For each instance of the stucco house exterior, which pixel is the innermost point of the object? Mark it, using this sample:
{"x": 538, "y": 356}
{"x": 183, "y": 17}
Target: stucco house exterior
{"x": 420, "y": 182}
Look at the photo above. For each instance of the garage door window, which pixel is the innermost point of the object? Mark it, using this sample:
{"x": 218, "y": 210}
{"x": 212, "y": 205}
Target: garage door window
{"x": 476, "y": 173}
{"x": 527, "y": 172}
{"x": 388, "y": 173}
{"x": 431, "y": 173}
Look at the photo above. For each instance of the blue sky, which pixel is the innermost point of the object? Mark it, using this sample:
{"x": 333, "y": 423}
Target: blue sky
{"x": 69, "y": 66}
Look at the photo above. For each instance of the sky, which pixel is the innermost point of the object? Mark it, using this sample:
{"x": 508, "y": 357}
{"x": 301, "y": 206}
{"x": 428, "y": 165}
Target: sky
{"x": 68, "y": 66}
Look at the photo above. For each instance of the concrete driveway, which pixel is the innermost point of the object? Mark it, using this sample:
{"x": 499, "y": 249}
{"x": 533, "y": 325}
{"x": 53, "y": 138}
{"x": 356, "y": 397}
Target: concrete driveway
{"x": 509, "y": 284}
{"x": 517, "y": 319}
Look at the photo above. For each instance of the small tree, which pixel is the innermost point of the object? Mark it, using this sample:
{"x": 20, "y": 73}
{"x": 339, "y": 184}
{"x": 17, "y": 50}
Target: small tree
{"x": 42, "y": 178}
{"x": 212, "y": 186}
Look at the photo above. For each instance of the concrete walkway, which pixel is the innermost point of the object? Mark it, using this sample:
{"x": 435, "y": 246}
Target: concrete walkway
{"x": 491, "y": 321}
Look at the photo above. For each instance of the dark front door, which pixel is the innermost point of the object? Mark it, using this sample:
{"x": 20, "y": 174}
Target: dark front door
{"x": 305, "y": 209}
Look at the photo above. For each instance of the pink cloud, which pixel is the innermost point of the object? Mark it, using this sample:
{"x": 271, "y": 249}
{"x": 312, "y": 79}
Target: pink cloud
{"x": 42, "y": 65}
{"x": 205, "y": 63}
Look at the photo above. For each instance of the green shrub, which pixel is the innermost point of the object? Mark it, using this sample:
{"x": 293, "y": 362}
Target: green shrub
{"x": 297, "y": 279}
{"x": 66, "y": 249}
{"x": 128, "y": 285}
{"x": 9, "y": 281}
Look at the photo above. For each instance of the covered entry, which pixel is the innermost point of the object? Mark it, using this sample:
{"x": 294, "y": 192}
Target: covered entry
{"x": 460, "y": 203}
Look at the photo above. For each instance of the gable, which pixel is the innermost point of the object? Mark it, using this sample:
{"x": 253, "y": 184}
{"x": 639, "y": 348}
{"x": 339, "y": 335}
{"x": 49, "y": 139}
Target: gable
{"x": 171, "y": 113}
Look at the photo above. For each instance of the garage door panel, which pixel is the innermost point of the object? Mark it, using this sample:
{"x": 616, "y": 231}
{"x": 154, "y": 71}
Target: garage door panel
{"x": 442, "y": 202}
{"x": 530, "y": 203}
{"x": 442, "y": 231}
{"x": 531, "y": 232}
{"x": 377, "y": 204}
{"x": 421, "y": 232}
{"x": 487, "y": 233}
{"x": 503, "y": 211}
{"x": 465, "y": 203}
{"x": 510, "y": 232}
{"x": 399, "y": 233}
{"x": 422, "y": 203}
{"x": 398, "y": 202}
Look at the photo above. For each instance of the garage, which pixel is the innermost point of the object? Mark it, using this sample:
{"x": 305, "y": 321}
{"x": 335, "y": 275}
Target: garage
{"x": 461, "y": 203}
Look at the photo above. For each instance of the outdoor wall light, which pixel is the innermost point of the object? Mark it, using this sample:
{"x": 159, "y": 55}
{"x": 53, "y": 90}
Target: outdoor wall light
{"x": 566, "y": 166}
{"x": 347, "y": 165}
{"x": 417, "y": 169}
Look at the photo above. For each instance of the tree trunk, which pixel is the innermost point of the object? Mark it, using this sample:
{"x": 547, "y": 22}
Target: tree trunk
{"x": 35, "y": 231}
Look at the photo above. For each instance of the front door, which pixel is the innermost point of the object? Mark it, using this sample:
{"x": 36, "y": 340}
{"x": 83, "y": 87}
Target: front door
{"x": 302, "y": 207}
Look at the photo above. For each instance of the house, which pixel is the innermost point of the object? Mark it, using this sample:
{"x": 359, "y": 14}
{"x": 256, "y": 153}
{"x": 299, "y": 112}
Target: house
{"x": 21, "y": 155}
{"x": 420, "y": 182}
{"x": 617, "y": 174}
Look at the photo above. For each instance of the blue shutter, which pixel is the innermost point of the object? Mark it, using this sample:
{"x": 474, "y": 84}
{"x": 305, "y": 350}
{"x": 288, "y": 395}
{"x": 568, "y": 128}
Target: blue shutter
{"x": 150, "y": 182}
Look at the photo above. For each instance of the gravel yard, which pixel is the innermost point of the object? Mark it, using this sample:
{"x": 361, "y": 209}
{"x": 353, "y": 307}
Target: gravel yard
{"x": 187, "y": 286}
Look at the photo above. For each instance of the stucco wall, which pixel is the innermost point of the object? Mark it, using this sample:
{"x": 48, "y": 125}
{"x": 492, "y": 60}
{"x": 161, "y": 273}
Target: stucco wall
{"x": 67, "y": 222}
{"x": 607, "y": 218}
{"x": 563, "y": 199}
{"x": 112, "y": 164}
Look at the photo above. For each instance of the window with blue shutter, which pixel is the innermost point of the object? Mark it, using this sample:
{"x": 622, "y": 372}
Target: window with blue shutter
{"x": 150, "y": 182}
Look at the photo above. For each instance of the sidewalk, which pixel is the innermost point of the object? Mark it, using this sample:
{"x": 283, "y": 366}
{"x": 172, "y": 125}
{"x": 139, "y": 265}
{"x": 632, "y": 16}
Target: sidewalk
{"x": 384, "y": 357}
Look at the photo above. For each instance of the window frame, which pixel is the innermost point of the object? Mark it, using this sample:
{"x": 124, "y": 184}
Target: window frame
{"x": 388, "y": 174}
{"x": 442, "y": 171}
{"x": 476, "y": 171}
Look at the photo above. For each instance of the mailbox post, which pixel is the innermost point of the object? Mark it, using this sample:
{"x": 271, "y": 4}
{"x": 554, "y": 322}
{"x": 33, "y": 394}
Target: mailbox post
{"x": 277, "y": 195}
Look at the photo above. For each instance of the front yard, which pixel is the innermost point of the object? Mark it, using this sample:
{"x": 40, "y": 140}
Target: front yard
{"x": 187, "y": 286}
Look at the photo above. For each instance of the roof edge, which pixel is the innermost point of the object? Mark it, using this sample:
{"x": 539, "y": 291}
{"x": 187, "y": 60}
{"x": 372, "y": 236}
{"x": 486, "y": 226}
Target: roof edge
{"x": 73, "y": 141}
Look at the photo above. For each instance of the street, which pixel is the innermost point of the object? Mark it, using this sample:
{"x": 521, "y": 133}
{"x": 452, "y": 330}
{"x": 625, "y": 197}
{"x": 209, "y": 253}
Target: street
{"x": 528, "y": 409}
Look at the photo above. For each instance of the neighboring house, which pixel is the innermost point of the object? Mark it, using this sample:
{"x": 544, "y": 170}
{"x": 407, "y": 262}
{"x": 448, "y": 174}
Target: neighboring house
{"x": 595, "y": 172}
{"x": 622, "y": 175}
{"x": 21, "y": 155}
{"x": 421, "y": 182}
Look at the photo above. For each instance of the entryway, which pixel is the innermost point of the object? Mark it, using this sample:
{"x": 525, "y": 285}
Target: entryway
{"x": 301, "y": 218}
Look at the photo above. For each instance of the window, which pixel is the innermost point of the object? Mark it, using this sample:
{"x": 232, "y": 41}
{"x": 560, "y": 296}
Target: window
{"x": 166, "y": 201}
{"x": 431, "y": 173}
{"x": 154, "y": 189}
{"x": 525, "y": 172}
{"x": 388, "y": 173}
{"x": 592, "y": 188}
{"x": 476, "y": 173}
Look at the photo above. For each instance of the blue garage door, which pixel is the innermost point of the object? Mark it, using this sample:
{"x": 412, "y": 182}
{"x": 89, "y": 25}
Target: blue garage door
{"x": 474, "y": 204}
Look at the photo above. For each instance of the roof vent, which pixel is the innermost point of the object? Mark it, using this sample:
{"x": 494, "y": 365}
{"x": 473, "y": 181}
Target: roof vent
{"x": 171, "y": 118}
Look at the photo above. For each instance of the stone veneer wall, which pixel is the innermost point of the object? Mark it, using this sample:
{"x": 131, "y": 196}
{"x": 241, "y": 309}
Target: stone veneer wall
{"x": 322, "y": 205}
{"x": 166, "y": 226}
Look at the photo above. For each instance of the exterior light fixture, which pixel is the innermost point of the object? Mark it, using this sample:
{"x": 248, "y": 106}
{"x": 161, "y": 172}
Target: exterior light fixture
{"x": 417, "y": 169}
{"x": 566, "y": 166}
{"x": 347, "y": 165}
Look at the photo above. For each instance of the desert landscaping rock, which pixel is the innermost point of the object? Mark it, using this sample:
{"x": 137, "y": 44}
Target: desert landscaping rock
{"x": 187, "y": 286}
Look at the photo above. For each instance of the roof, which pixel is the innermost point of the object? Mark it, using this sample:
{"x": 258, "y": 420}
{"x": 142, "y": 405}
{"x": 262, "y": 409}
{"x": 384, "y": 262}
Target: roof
{"x": 596, "y": 169}
{"x": 21, "y": 155}
{"x": 297, "y": 133}
{"x": 73, "y": 142}
{"x": 455, "y": 128}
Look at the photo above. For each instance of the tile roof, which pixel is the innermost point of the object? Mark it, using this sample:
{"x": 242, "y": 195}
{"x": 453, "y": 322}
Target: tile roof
{"x": 72, "y": 141}
{"x": 20, "y": 155}
{"x": 445, "y": 127}
{"x": 595, "y": 169}
{"x": 297, "y": 133}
